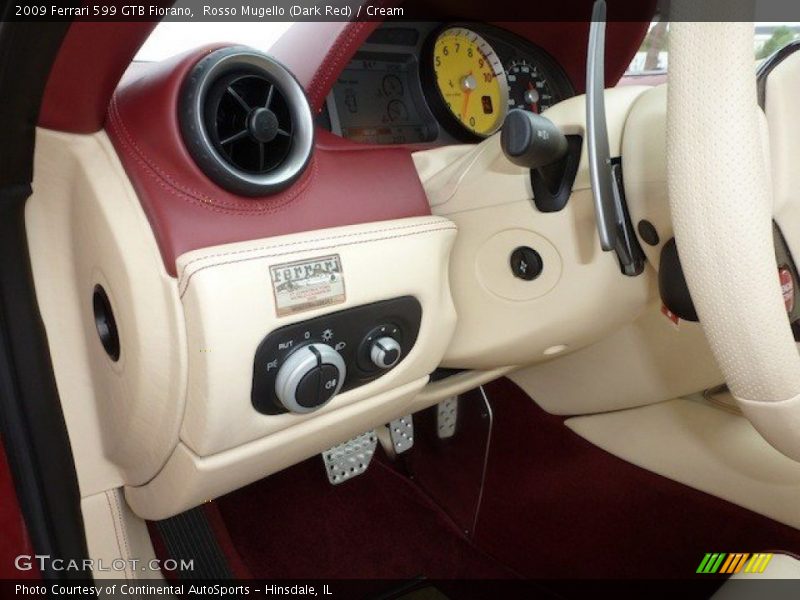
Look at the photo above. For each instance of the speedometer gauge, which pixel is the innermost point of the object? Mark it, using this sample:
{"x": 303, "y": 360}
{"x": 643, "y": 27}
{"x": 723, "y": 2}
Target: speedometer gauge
{"x": 471, "y": 80}
{"x": 528, "y": 88}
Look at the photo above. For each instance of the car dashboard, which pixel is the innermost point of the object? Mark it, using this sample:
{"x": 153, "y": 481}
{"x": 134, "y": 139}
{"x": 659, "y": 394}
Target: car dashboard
{"x": 413, "y": 83}
{"x": 298, "y": 287}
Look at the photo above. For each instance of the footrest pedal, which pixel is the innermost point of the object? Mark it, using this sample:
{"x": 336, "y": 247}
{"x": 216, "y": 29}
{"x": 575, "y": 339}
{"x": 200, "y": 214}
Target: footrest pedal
{"x": 351, "y": 458}
{"x": 447, "y": 417}
{"x": 402, "y": 433}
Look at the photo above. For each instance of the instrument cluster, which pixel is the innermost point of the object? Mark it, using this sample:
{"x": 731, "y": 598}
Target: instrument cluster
{"x": 433, "y": 83}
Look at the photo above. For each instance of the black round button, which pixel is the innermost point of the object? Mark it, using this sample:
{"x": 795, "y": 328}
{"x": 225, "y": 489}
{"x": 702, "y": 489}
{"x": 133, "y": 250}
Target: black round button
{"x": 328, "y": 382}
{"x": 307, "y": 392}
{"x": 391, "y": 357}
{"x": 648, "y": 232}
{"x": 526, "y": 263}
{"x": 263, "y": 125}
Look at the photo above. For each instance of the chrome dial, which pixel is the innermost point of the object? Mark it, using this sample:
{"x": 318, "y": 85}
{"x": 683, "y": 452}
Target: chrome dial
{"x": 310, "y": 378}
{"x": 385, "y": 352}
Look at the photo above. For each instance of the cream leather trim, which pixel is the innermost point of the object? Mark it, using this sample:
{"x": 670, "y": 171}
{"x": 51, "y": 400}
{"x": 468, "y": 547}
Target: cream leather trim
{"x": 570, "y": 116}
{"x": 280, "y": 247}
{"x": 436, "y": 391}
{"x": 503, "y": 320}
{"x": 781, "y": 566}
{"x": 644, "y": 153}
{"x": 647, "y": 361}
{"x": 703, "y": 447}
{"x": 86, "y": 227}
{"x": 778, "y": 421}
{"x": 113, "y": 532}
{"x": 784, "y": 132}
{"x": 189, "y": 479}
{"x": 783, "y": 118}
{"x": 175, "y": 411}
{"x": 229, "y": 306}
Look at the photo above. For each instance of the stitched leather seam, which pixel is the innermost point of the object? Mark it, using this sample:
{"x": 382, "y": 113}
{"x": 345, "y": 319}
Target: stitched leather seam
{"x": 164, "y": 185}
{"x": 164, "y": 179}
{"x": 122, "y": 544}
{"x": 122, "y": 129}
{"x": 185, "y": 287}
{"x": 324, "y": 73}
{"x": 341, "y": 236}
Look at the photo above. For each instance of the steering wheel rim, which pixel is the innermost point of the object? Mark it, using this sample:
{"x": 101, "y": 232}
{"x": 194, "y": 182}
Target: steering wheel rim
{"x": 721, "y": 204}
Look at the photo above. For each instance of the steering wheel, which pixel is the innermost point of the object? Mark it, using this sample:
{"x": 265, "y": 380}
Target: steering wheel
{"x": 721, "y": 202}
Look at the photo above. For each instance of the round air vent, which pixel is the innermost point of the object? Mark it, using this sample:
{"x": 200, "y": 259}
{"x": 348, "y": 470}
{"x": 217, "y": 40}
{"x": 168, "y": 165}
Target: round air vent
{"x": 246, "y": 121}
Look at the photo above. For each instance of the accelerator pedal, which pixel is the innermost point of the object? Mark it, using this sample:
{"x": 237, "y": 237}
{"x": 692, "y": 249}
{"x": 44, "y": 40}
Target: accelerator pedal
{"x": 350, "y": 459}
{"x": 447, "y": 417}
{"x": 401, "y": 432}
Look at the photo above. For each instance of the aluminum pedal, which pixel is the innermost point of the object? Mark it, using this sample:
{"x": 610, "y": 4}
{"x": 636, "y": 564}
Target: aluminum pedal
{"x": 446, "y": 418}
{"x": 350, "y": 459}
{"x": 402, "y": 433}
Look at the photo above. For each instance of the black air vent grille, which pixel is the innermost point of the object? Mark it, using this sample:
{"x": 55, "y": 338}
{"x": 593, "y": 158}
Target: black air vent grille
{"x": 246, "y": 121}
{"x": 249, "y": 123}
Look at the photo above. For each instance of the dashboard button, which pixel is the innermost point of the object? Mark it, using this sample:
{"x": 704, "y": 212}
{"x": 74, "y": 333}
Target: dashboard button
{"x": 307, "y": 392}
{"x": 385, "y": 352}
{"x": 526, "y": 263}
{"x": 309, "y": 378}
{"x": 329, "y": 377}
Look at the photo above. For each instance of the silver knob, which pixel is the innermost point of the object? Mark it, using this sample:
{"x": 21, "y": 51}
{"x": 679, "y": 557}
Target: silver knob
{"x": 310, "y": 378}
{"x": 385, "y": 352}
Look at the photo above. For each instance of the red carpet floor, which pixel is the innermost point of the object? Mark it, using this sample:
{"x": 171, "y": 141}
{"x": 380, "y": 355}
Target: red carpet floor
{"x": 378, "y": 526}
{"x": 554, "y": 506}
{"x": 557, "y": 506}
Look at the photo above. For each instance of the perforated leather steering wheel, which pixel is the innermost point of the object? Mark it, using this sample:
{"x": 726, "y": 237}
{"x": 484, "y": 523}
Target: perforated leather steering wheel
{"x": 722, "y": 210}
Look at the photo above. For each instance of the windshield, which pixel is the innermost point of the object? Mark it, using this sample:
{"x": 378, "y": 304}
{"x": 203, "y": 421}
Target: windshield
{"x": 170, "y": 38}
{"x": 653, "y": 55}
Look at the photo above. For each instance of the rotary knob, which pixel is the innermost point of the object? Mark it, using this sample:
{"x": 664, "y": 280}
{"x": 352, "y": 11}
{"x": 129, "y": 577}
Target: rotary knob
{"x": 310, "y": 378}
{"x": 385, "y": 352}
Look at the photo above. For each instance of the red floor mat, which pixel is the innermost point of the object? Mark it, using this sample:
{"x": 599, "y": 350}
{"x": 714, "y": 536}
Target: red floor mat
{"x": 450, "y": 470}
{"x": 557, "y": 506}
{"x": 554, "y": 506}
{"x": 377, "y": 526}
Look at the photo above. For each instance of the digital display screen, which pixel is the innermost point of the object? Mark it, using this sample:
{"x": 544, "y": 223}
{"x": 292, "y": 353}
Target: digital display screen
{"x": 375, "y": 103}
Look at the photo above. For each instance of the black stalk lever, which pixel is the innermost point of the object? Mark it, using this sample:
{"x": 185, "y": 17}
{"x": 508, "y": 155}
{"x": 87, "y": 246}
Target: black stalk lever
{"x": 536, "y": 143}
{"x": 532, "y": 141}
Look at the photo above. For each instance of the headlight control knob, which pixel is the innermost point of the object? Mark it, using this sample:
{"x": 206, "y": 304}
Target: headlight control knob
{"x": 385, "y": 352}
{"x": 310, "y": 378}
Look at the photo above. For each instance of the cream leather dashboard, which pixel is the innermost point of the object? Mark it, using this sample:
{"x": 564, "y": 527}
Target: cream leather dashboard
{"x": 582, "y": 327}
{"x": 173, "y": 422}
{"x": 503, "y": 319}
{"x": 174, "y": 412}
{"x": 228, "y": 312}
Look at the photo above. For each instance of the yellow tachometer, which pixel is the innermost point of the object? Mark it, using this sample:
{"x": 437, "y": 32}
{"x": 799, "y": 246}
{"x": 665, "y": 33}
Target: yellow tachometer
{"x": 471, "y": 80}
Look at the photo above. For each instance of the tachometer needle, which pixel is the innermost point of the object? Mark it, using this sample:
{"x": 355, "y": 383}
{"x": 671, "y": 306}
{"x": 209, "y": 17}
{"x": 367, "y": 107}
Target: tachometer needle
{"x": 465, "y": 105}
{"x": 532, "y": 97}
{"x": 468, "y": 84}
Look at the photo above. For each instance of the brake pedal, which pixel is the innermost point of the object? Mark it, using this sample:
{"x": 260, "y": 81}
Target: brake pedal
{"x": 402, "y": 433}
{"x": 447, "y": 417}
{"x": 351, "y": 458}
